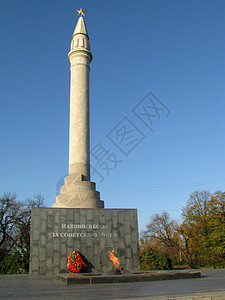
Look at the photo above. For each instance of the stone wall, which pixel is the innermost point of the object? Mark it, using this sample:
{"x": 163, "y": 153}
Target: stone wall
{"x": 56, "y": 232}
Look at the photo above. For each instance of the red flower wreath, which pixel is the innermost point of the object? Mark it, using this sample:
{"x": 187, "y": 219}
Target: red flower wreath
{"x": 75, "y": 262}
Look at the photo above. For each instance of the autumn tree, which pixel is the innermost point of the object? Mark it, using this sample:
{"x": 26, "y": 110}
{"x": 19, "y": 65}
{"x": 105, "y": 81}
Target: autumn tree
{"x": 203, "y": 229}
{"x": 162, "y": 235}
{"x": 216, "y": 229}
{"x": 194, "y": 227}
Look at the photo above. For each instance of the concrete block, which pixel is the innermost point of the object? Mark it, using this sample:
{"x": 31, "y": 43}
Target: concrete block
{"x": 56, "y": 218}
{"x": 121, "y": 218}
{"x": 43, "y": 225}
{"x": 36, "y": 223}
{"x": 127, "y": 240}
{"x": 63, "y": 262}
{"x": 36, "y": 235}
{"x": 50, "y": 220}
{"x": 76, "y": 216}
{"x": 127, "y": 227}
{"x": 56, "y": 269}
{"x": 35, "y": 249}
{"x": 49, "y": 272}
{"x": 42, "y": 269}
{"x": 96, "y": 249}
{"x": 63, "y": 249}
{"x": 83, "y": 247}
{"x": 70, "y": 242}
{"x": 134, "y": 237}
{"x": 82, "y": 220}
{"x": 89, "y": 215}
{"x": 49, "y": 248}
{"x": 114, "y": 222}
{"x": 43, "y": 239}
{"x": 49, "y": 263}
{"x": 56, "y": 245}
{"x": 35, "y": 263}
{"x": 122, "y": 243}
{"x": 56, "y": 258}
{"x": 42, "y": 254}
{"x": 43, "y": 215}
{"x": 128, "y": 252}
{"x": 89, "y": 252}
{"x": 102, "y": 219}
{"x": 69, "y": 215}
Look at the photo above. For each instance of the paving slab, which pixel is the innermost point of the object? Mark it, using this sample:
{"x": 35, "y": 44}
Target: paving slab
{"x": 20, "y": 287}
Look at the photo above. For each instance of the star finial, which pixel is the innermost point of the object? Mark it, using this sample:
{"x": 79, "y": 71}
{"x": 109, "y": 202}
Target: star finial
{"x": 81, "y": 12}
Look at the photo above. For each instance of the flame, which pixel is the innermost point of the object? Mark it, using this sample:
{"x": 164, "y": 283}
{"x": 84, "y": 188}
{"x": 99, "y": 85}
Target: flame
{"x": 114, "y": 259}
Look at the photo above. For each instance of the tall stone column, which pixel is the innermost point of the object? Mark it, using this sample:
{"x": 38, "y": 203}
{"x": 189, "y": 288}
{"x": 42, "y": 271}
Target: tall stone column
{"x": 79, "y": 143}
{"x": 78, "y": 191}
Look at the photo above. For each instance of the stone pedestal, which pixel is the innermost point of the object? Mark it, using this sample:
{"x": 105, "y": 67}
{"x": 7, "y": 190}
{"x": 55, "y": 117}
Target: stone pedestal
{"x": 56, "y": 232}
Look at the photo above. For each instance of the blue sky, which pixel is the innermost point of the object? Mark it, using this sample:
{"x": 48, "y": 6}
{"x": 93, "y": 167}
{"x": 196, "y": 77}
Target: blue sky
{"x": 173, "y": 49}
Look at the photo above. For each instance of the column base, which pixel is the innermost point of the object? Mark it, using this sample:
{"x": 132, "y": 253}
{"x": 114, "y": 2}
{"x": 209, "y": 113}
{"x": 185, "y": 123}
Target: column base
{"x": 78, "y": 193}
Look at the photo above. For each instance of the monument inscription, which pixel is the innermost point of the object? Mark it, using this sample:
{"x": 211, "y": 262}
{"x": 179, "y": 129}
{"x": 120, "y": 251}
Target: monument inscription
{"x": 85, "y": 231}
{"x": 57, "y": 232}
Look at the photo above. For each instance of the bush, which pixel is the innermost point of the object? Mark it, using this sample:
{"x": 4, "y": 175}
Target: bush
{"x": 153, "y": 260}
{"x": 13, "y": 264}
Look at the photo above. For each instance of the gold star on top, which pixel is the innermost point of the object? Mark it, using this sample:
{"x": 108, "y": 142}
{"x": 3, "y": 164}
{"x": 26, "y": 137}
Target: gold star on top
{"x": 81, "y": 12}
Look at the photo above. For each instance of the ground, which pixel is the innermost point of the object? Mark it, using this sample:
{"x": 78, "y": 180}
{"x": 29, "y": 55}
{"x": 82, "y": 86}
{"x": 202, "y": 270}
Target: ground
{"x": 46, "y": 287}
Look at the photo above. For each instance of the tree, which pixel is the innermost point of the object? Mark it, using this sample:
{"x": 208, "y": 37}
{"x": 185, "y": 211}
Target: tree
{"x": 15, "y": 222}
{"x": 9, "y": 213}
{"x": 195, "y": 225}
{"x": 203, "y": 229}
{"x": 162, "y": 235}
{"x": 216, "y": 229}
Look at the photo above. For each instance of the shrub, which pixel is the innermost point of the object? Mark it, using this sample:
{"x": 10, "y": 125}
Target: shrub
{"x": 153, "y": 260}
{"x": 13, "y": 264}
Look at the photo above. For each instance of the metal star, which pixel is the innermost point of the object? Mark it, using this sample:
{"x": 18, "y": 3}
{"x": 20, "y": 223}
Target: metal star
{"x": 81, "y": 12}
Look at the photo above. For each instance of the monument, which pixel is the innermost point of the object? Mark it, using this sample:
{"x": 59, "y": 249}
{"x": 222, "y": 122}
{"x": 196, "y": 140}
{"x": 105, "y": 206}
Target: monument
{"x": 78, "y": 220}
{"x": 78, "y": 191}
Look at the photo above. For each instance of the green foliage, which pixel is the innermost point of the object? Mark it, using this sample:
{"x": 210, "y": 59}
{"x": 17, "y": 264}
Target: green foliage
{"x": 204, "y": 229}
{"x": 153, "y": 260}
{"x": 14, "y": 264}
{"x": 198, "y": 241}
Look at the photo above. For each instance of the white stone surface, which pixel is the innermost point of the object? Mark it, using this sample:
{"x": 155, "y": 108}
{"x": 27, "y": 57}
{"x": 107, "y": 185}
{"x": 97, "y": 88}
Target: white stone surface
{"x": 75, "y": 193}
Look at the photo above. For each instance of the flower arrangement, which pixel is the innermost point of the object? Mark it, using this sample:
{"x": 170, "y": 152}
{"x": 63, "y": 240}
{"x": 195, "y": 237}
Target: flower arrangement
{"x": 75, "y": 262}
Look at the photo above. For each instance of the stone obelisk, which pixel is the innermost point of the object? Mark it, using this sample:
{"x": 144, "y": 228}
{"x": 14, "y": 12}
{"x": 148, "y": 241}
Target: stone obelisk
{"x": 78, "y": 220}
{"x": 78, "y": 191}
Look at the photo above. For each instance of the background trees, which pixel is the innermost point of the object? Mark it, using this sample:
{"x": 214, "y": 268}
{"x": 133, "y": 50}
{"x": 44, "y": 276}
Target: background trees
{"x": 162, "y": 235}
{"x": 15, "y": 222}
{"x": 204, "y": 229}
{"x": 216, "y": 229}
{"x": 195, "y": 227}
{"x": 199, "y": 240}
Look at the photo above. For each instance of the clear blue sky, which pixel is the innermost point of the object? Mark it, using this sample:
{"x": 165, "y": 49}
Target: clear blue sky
{"x": 172, "y": 48}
